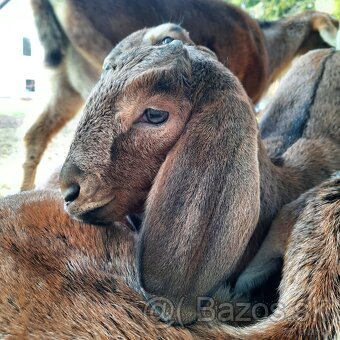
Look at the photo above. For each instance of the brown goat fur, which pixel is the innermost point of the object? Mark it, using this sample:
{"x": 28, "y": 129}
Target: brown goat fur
{"x": 204, "y": 173}
{"x": 78, "y": 34}
{"x": 63, "y": 279}
{"x": 306, "y": 107}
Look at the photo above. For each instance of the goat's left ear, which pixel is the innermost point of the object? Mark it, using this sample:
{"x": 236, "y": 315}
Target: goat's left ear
{"x": 327, "y": 27}
{"x": 204, "y": 204}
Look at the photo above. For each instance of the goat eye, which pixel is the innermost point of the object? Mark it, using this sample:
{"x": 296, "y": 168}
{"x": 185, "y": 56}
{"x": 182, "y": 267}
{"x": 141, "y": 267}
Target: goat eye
{"x": 167, "y": 40}
{"x": 153, "y": 116}
{"x": 106, "y": 67}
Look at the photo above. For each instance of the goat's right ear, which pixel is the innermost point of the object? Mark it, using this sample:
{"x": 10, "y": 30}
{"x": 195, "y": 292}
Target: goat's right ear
{"x": 204, "y": 204}
{"x": 327, "y": 27}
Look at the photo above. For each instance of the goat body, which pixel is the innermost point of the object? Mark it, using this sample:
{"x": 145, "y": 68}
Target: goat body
{"x": 78, "y": 34}
{"x": 301, "y": 133}
{"x": 63, "y": 279}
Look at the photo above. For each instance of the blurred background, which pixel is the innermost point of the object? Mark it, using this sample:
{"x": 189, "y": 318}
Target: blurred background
{"x": 276, "y": 9}
{"x": 24, "y": 85}
{"x": 24, "y": 90}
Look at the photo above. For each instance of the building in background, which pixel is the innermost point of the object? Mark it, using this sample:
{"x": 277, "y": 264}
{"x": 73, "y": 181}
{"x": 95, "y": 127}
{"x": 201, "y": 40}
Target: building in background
{"x": 21, "y": 60}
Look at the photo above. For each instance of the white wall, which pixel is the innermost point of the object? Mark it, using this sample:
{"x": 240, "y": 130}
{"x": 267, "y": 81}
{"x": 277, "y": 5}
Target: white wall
{"x": 16, "y": 22}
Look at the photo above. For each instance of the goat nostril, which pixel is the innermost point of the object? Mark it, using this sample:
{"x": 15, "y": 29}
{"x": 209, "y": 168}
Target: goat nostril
{"x": 71, "y": 193}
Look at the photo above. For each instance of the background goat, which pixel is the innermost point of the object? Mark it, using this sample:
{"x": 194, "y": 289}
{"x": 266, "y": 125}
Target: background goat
{"x": 176, "y": 128}
{"x": 307, "y": 102}
{"x": 60, "y": 278}
{"x": 77, "y": 35}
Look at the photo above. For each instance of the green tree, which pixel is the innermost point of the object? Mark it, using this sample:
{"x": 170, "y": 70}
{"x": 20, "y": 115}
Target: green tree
{"x": 336, "y": 11}
{"x": 275, "y": 9}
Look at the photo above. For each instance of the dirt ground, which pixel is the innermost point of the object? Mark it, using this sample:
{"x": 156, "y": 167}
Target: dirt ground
{"x": 15, "y": 118}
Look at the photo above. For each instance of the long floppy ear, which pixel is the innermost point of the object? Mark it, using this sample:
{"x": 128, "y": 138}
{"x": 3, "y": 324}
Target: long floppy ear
{"x": 204, "y": 204}
{"x": 327, "y": 27}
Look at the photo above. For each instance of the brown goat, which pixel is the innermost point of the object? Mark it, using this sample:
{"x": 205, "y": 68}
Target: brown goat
{"x": 172, "y": 125}
{"x": 78, "y": 34}
{"x": 63, "y": 279}
{"x": 274, "y": 247}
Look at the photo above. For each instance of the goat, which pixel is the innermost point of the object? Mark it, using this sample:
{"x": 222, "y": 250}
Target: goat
{"x": 77, "y": 35}
{"x": 326, "y": 103}
{"x": 63, "y": 279}
{"x": 168, "y": 131}
{"x": 274, "y": 247}
{"x": 316, "y": 98}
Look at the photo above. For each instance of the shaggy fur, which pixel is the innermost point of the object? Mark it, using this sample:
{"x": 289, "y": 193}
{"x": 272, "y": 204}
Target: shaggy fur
{"x": 208, "y": 189}
{"x": 306, "y": 108}
{"x": 63, "y": 279}
{"x": 78, "y": 34}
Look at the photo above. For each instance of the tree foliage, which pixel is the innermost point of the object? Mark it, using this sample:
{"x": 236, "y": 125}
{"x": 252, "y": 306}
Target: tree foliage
{"x": 275, "y": 9}
{"x": 336, "y": 12}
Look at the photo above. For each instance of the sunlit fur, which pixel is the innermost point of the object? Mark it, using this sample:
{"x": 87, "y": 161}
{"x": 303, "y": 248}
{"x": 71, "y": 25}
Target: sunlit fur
{"x": 63, "y": 279}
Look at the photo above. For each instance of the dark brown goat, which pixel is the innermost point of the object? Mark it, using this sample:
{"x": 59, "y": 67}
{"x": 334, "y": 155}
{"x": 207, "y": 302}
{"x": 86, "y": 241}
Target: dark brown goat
{"x": 63, "y": 279}
{"x": 78, "y": 34}
{"x": 170, "y": 125}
